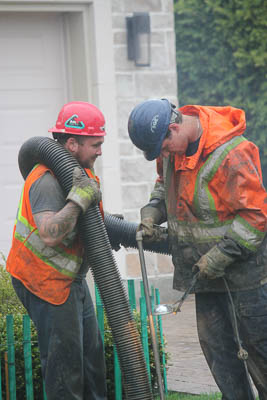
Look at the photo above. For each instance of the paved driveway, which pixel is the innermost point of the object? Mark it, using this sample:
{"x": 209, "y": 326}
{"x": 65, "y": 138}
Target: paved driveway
{"x": 188, "y": 371}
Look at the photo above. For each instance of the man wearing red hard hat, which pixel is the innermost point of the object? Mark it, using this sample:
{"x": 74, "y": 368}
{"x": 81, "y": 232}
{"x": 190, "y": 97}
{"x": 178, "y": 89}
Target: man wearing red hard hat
{"x": 47, "y": 262}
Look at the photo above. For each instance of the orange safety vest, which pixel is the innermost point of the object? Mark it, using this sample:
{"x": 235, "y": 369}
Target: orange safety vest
{"x": 45, "y": 271}
{"x": 217, "y": 191}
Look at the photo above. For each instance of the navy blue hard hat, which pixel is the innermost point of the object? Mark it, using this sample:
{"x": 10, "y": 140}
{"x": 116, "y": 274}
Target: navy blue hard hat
{"x": 148, "y": 125}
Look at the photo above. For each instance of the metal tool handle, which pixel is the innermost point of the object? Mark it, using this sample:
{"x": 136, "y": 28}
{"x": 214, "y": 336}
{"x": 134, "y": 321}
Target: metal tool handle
{"x": 186, "y": 293}
{"x": 139, "y": 240}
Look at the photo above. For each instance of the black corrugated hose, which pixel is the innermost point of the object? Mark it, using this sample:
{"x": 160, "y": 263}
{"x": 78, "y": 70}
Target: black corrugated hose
{"x": 102, "y": 263}
{"x": 121, "y": 232}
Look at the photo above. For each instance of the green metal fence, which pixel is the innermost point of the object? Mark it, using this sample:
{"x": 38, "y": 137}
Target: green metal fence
{"x": 8, "y": 356}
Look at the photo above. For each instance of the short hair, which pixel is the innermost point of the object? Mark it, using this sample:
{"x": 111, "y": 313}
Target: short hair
{"x": 176, "y": 118}
{"x": 63, "y": 137}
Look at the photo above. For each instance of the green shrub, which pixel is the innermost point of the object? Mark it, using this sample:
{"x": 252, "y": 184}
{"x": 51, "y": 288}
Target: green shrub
{"x": 222, "y": 59}
{"x": 20, "y": 372}
{"x": 10, "y": 304}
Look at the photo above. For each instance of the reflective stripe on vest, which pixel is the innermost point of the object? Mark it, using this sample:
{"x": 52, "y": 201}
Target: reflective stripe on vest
{"x": 209, "y": 227}
{"x": 56, "y": 257}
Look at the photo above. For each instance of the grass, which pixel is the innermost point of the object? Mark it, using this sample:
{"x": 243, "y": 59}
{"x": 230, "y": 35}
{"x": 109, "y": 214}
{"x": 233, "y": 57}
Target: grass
{"x": 180, "y": 396}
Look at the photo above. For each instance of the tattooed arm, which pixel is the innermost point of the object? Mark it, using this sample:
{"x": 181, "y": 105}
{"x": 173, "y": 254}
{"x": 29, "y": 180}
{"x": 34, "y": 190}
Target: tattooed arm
{"x": 54, "y": 226}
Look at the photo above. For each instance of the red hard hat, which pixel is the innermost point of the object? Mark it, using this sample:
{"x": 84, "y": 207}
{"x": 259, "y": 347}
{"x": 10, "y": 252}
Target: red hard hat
{"x": 80, "y": 118}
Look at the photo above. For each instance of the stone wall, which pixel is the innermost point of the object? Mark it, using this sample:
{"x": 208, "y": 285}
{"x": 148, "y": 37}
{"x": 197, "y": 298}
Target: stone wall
{"x": 133, "y": 85}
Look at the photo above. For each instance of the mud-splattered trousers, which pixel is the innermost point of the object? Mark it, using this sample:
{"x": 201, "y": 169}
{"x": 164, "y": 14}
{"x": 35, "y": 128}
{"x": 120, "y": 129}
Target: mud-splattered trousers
{"x": 218, "y": 342}
{"x": 70, "y": 344}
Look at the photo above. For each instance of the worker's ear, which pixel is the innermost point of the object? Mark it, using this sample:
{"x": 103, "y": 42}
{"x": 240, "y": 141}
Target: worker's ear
{"x": 72, "y": 145}
{"x": 174, "y": 128}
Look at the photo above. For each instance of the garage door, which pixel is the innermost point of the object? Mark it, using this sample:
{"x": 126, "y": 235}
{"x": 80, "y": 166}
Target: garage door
{"x": 32, "y": 89}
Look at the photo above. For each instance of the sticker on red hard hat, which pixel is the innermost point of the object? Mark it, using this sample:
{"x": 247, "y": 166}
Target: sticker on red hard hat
{"x": 73, "y": 123}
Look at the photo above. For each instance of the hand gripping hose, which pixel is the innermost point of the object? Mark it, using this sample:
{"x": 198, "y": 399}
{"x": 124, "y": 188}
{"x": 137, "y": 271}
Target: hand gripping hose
{"x": 123, "y": 233}
{"x": 103, "y": 265}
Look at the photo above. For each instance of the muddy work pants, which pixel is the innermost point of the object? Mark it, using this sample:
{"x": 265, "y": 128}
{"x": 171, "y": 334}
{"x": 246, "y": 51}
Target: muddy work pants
{"x": 219, "y": 345}
{"x": 70, "y": 344}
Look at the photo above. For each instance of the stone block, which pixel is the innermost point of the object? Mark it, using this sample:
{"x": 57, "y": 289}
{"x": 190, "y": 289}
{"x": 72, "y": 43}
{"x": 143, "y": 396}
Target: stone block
{"x": 167, "y": 6}
{"x": 126, "y": 148}
{"x": 157, "y": 38}
{"x": 164, "y": 21}
{"x": 124, "y": 108}
{"x": 133, "y": 266}
{"x": 125, "y": 85}
{"x": 134, "y": 196}
{"x": 132, "y": 216}
{"x": 121, "y": 59}
{"x": 164, "y": 263}
{"x": 156, "y": 85}
{"x": 143, "y": 6}
{"x": 160, "y": 57}
{"x": 136, "y": 170}
{"x": 171, "y": 47}
{"x": 119, "y": 38}
{"x": 117, "y": 6}
{"x": 123, "y": 134}
{"x": 119, "y": 21}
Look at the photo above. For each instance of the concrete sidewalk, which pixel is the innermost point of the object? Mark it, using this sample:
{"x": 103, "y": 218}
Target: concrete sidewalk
{"x": 188, "y": 371}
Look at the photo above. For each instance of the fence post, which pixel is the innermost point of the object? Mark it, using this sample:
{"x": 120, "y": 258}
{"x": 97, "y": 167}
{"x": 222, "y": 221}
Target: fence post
{"x": 131, "y": 293}
{"x": 117, "y": 375}
{"x": 152, "y": 299}
{"x": 27, "y": 356}
{"x": 11, "y": 356}
{"x": 144, "y": 334}
{"x": 6, "y": 376}
{"x": 100, "y": 314}
{"x": 162, "y": 343}
{"x": 44, "y": 392}
{"x": 142, "y": 291}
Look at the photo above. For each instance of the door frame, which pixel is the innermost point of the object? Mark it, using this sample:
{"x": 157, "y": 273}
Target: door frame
{"x": 91, "y": 22}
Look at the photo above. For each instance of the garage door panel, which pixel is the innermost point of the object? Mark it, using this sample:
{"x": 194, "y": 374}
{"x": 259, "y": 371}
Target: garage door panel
{"x": 19, "y": 123}
{"x": 30, "y": 51}
{"x": 33, "y": 87}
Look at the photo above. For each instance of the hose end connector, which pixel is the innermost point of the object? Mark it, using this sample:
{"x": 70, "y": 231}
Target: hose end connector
{"x": 139, "y": 236}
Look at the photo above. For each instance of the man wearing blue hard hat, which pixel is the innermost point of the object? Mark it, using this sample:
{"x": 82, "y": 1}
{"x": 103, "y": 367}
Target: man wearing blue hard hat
{"x": 209, "y": 189}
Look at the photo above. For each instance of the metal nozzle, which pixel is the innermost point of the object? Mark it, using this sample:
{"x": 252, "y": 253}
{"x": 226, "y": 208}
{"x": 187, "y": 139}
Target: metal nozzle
{"x": 163, "y": 309}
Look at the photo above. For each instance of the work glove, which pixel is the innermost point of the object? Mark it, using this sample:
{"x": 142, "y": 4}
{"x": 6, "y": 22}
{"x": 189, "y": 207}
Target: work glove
{"x": 212, "y": 264}
{"x": 152, "y": 232}
{"x": 85, "y": 191}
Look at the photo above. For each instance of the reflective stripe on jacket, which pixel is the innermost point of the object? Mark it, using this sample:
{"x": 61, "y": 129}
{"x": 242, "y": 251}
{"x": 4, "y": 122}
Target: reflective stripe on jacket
{"x": 46, "y": 271}
{"x": 216, "y": 198}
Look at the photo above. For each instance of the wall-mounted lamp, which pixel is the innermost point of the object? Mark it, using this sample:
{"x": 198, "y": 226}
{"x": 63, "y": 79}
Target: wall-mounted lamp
{"x": 138, "y": 38}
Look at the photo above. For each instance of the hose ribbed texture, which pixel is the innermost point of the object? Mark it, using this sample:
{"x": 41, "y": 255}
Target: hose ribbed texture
{"x": 124, "y": 233}
{"x": 103, "y": 265}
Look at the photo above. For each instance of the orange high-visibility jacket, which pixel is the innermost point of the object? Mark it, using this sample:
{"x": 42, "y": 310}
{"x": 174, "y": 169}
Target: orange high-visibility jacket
{"x": 216, "y": 197}
{"x": 46, "y": 271}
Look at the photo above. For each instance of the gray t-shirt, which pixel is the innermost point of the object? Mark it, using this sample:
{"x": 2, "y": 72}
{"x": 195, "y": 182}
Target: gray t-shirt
{"x": 46, "y": 195}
